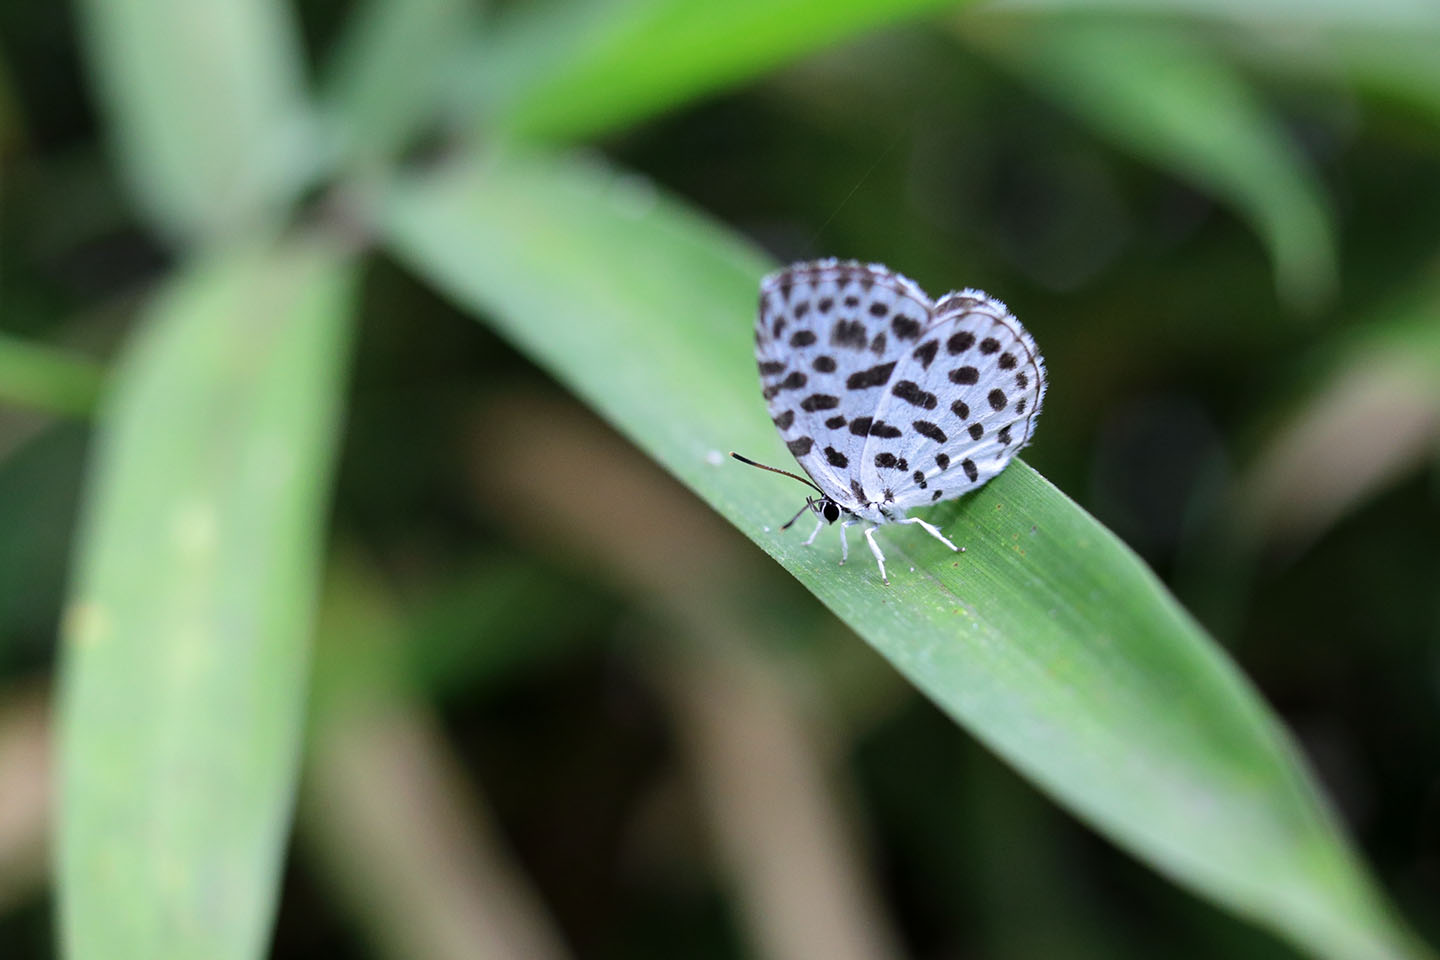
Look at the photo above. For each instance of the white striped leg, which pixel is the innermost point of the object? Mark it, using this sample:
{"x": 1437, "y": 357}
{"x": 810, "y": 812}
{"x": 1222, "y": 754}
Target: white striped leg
{"x": 819, "y": 525}
{"x": 844, "y": 544}
{"x": 930, "y": 529}
{"x": 879, "y": 557}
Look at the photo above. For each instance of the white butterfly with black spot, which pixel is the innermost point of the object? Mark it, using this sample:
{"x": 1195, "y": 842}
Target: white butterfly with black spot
{"x": 887, "y": 399}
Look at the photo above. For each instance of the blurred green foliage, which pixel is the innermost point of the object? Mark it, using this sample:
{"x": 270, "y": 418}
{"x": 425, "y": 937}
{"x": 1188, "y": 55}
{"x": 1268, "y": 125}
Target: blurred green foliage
{"x": 1220, "y": 222}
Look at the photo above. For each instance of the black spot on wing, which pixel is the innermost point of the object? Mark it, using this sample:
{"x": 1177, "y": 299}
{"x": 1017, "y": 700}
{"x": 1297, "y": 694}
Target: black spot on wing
{"x": 835, "y": 458}
{"x": 925, "y": 353}
{"x": 1020, "y": 405}
{"x": 802, "y": 338}
{"x": 849, "y": 333}
{"x": 885, "y": 460}
{"x": 906, "y": 328}
{"x": 961, "y": 409}
{"x": 876, "y": 376}
{"x": 878, "y": 309}
{"x": 997, "y": 400}
{"x": 960, "y": 342}
{"x": 1004, "y": 435}
{"x": 771, "y": 367}
{"x": 976, "y": 431}
{"x": 819, "y": 401}
{"x": 877, "y": 346}
{"x": 860, "y": 426}
{"x": 970, "y": 471}
{"x": 824, "y": 364}
{"x": 910, "y": 392}
{"x": 942, "y": 461}
{"x": 964, "y": 375}
{"x": 795, "y": 381}
{"x": 800, "y": 446}
{"x": 1006, "y": 361}
{"x": 989, "y": 345}
{"x": 835, "y": 423}
{"x": 785, "y": 420}
{"x": 927, "y": 429}
{"x": 858, "y": 490}
{"x": 882, "y": 429}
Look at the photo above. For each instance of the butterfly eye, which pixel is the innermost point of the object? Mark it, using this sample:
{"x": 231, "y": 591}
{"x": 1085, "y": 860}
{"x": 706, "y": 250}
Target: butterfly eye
{"x": 832, "y": 512}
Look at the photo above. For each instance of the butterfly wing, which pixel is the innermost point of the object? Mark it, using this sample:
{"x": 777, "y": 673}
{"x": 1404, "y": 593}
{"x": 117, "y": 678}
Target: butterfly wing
{"x": 829, "y": 336}
{"x": 964, "y": 401}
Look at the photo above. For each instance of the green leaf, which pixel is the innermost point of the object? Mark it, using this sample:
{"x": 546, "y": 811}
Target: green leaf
{"x": 1047, "y": 639}
{"x": 206, "y": 107}
{"x": 569, "y": 71}
{"x": 389, "y": 71}
{"x": 1404, "y": 15}
{"x": 45, "y": 378}
{"x": 1172, "y": 101}
{"x": 186, "y": 640}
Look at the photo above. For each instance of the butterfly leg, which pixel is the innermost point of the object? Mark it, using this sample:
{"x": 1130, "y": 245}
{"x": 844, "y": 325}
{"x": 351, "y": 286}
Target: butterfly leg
{"x": 819, "y": 525}
{"x": 879, "y": 557}
{"x": 844, "y": 544}
{"x": 930, "y": 529}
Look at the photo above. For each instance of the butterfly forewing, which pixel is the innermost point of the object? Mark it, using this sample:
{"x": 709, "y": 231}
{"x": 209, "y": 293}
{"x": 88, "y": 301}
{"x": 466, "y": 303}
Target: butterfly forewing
{"x": 964, "y": 402}
{"x": 830, "y": 337}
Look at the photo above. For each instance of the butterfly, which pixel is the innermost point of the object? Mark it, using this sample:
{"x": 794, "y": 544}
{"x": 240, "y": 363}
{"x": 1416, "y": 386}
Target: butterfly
{"x": 889, "y": 400}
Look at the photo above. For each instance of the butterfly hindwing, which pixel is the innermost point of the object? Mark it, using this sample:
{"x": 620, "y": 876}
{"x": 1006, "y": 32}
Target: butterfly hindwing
{"x": 964, "y": 400}
{"x": 829, "y": 339}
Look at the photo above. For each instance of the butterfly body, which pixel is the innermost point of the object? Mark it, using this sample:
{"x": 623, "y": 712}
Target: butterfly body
{"x": 887, "y": 399}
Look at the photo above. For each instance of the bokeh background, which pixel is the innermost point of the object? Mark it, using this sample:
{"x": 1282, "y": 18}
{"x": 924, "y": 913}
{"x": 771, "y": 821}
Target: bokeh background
{"x": 530, "y": 732}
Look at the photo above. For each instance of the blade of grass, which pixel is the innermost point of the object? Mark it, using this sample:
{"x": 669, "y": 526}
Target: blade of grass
{"x": 45, "y": 378}
{"x": 206, "y": 107}
{"x": 568, "y": 71}
{"x": 1155, "y": 92}
{"x": 186, "y": 641}
{"x": 1048, "y": 639}
{"x": 388, "y": 72}
{"x": 1406, "y": 15}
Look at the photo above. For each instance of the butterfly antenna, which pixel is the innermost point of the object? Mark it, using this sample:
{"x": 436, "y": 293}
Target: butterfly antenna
{"x": 783, "y": 473}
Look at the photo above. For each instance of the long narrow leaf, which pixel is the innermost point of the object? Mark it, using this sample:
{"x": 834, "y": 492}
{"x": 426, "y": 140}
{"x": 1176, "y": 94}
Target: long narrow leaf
{"x": 1047, "y": 639}
{"x": 1174, "y": 102}
{"x": 187, "y": 636}
{"x": 205, "y": 105}
{"x": 561, "y": 72}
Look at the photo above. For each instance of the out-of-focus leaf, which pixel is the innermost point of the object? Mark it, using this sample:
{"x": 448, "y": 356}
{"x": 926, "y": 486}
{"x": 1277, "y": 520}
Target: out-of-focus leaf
{"x": 388, "y": 73}
{"x": 205, "y": 105}
{"x": 1396, "y": 65}
{"x": 1178, "y": 104}
{"x": 44, "y": 378}
{"x": 1048, "y": 639}
{"x": 563, "y": 71}
{"x": 1292, "y": 14}
{"x": 186, "y": 640}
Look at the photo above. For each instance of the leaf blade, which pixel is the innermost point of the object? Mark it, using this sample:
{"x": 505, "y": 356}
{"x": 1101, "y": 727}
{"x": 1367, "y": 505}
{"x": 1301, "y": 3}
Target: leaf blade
{"x": 1156, "y": 93}
{"x": 1048, "y": 639}
{"x": 185, "y": 641}
{"x": 565, "y": 73}
{"x": 206, "y": 108}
